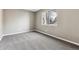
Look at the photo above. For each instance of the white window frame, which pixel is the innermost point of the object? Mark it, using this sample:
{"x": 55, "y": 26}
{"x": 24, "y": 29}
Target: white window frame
{"x": 44, "y": 18}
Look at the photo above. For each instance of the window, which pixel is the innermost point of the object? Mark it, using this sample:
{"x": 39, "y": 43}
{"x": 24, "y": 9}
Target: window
{"x": 49, "y": 17}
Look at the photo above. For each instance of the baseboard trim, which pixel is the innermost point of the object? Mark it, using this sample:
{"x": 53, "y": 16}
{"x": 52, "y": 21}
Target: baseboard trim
{"x": 63, "y": 39}
{"x": 1, "y": 37}
{"x": 16, "y": 33}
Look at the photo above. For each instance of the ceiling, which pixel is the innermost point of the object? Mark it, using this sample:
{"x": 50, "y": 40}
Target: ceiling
{"x": 33, "y": 10}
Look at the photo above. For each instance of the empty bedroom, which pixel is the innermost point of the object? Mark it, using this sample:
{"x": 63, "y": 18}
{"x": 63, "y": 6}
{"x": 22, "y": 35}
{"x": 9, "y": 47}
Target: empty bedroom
{"x": 39, "y": 29}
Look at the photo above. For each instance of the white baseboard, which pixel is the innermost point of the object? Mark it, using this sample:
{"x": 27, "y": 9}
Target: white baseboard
{"x": 17, "y": 33}
{"x": 45, "y": 34}
{"x": 1, "y": 37}
{"x": 58, "y": 38}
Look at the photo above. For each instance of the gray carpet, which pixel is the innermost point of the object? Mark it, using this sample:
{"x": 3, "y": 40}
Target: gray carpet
{"x": 33, "y": 41}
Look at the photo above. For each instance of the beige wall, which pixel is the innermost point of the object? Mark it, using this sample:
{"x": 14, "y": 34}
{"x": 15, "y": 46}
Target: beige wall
{"x": 68, "y": 24}
{"x": 17, "y": 21}
{"x": 1, "y": 18}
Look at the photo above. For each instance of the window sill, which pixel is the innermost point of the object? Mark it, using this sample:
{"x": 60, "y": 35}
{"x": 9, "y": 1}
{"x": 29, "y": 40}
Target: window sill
{"x": 49, "y": 24}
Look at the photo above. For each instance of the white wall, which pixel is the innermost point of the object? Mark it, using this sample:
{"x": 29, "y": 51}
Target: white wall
{"x": 68, "y": 24}
{"x": 17, "y": 21}
{"x": 1, "y": 18}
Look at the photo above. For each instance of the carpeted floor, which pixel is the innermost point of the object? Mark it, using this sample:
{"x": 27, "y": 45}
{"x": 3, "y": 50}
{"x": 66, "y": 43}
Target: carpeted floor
{"x": 34, "y": 41}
